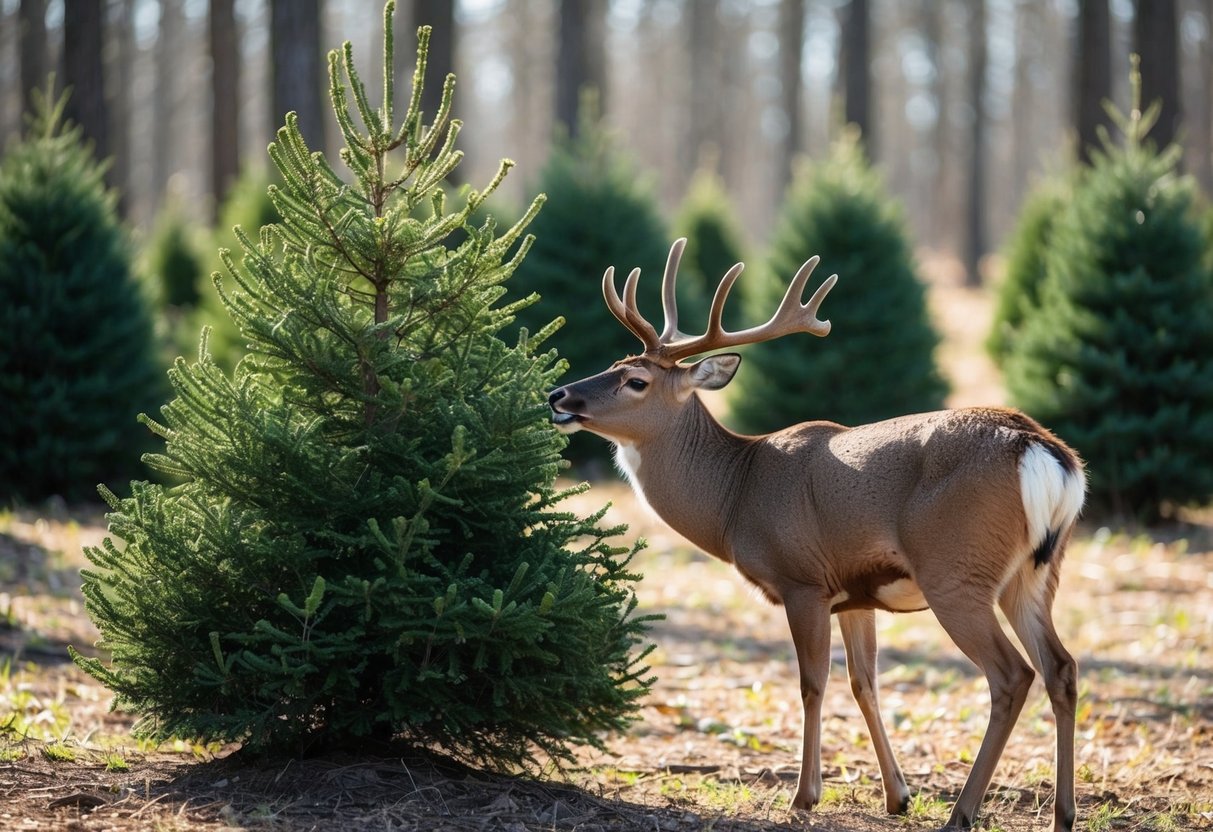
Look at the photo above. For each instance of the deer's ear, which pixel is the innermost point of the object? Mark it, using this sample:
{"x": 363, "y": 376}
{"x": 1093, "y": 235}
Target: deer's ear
{"x": 715, "y": 371}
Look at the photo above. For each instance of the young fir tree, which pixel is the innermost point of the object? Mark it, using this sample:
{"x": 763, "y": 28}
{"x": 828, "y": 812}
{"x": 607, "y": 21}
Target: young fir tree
{"x": 878, "y": 360}
{"x": 172, "y": 262}
{"x": 1018, "y": 295}
{"x": 77, "y": 355}
{"x": 1117, "y": 356}
{"x": 599, "y": 213}
{"x": 365, "y": 540}
{"x": 714, "y": 244}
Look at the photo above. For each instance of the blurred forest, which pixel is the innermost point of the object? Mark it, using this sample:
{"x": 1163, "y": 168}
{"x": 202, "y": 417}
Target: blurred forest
{"x": 961, "y": 103}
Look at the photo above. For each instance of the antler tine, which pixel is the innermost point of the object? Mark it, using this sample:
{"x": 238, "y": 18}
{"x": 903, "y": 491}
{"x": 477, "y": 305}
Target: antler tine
{"x": 715, "y": 327}
{"x": 669, "y": 298}
{"x": 790, "y": 309}
{"x": 625, "y": 310}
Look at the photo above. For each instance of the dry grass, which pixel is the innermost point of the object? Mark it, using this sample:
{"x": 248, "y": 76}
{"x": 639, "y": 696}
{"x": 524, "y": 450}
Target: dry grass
{"x": 717, "y": 745}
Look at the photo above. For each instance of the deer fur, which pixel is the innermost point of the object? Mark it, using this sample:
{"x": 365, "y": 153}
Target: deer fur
{"x": 956, "y": 511}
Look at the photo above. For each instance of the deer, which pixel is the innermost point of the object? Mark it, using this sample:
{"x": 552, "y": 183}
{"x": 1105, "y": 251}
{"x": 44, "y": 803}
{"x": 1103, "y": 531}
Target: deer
{"x": 955, "y": 511}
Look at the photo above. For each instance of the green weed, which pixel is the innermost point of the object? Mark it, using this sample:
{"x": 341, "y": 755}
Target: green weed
{"x": 57, "y": 752}
{"x": 1105, "y": 816}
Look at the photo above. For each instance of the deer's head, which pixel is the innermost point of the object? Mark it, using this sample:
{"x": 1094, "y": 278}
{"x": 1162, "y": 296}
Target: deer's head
{"x": 640, "y": 394}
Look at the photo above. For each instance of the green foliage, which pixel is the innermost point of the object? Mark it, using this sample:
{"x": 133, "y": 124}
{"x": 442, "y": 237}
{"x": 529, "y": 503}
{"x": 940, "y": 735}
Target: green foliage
{"x": 599, "y": 213}
{"x": 877, "y": 361}
{"x": 172, "y": 261}
{"x": 714, "y": 244}
{"x": 77, "y": 357}
{"x": 1025, "y": 264}
{"x": 365, "y": 541}
{"x": 248, "y": 207}
{"x": 1118, "y": 355}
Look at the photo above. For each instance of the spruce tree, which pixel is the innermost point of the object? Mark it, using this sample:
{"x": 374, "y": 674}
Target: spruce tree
{"x": 1117, "y": 356}
{"x": 714, "y": 244}
{"x": 365, "y": 541}
{"x": 77, "y": 355}
{"x": 600, "y": 212}
{"x": 878, "y": 360}
{"x": 1025, "y": 264}
{"x": 172, "y": 261}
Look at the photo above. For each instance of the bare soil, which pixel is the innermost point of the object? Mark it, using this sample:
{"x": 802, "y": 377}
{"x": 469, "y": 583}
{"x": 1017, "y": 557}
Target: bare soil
{"x": 717, "y": 743}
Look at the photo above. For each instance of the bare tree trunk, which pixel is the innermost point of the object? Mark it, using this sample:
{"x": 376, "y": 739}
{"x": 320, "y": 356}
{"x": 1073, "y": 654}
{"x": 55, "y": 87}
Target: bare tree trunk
{"x": 1092, "y": 74}
{"x": 121, "y": 60}
{"x": 225, "y": 101}
{"x": 297, "y": 71}
{"x": 1202, "y": 118}
{"x": 975, "y": 215}
{"x": 1157, "y": 41}
{"x": 791, "y": 56}
{"x": 705, "y": 122}
{"x": 942, "y": 233}
{"x": 440, "y": 16}
{"x": 31, "y": 21}
{"x": 856, "y": 64}
{"x": 164, "y": 99}
{"x": 83, "y": 71}
{"x": 580, "y": 58}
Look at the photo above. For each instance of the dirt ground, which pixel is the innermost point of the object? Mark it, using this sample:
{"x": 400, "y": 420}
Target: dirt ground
{"x": 717, "y": 743}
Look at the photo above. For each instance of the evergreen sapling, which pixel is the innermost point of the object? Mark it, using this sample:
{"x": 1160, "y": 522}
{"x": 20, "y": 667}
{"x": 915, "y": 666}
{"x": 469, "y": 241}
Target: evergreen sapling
{"x": 366, "y": 540}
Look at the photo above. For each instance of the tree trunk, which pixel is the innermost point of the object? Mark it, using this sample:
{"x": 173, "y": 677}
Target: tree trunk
{"x": 83, "y": 72}
{"x": 164, "y": 100}
{"x": 705, "y": 119}
{"x": 791, "y": 56}
{"x": 856, "y": 64}
{"x": 31, "y": 21}
{"x": 580, "y": 59}
{"x": 1157, "y": 42}
{"x": 440, "y": 16}
{"x": 297, "y": 70}
{"x": 975, "y": 214}
{"x": 1092, "y": 74}
{"x": 121, "y": 61}
{"x": 225, "y": 101}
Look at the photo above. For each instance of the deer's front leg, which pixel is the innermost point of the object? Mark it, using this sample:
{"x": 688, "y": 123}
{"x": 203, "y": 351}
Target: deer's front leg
{"x": 809, "y": 618}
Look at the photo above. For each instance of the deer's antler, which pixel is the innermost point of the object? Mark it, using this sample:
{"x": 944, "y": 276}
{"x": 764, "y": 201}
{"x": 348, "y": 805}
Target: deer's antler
{"x": 672, "y": 345}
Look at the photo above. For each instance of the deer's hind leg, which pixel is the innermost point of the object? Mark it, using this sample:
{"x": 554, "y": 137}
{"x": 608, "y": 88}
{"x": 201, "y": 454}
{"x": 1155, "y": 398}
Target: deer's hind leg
{"x": 859, "y": 638}
{"x": 1028, "y": 604}
{"x": 968, "y": 617}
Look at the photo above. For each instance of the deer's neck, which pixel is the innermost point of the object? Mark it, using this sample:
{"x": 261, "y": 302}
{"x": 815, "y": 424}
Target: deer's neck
{"x": 689, "y": 474}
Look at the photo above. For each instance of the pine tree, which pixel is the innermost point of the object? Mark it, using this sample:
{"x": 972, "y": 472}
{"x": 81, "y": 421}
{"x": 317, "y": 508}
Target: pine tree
{"x": 600, "y": 212}
{"x": 1117, "y": 356}
{"x": 714, "y": 244}
{"x": 878, "y": 360}
{"x": 77, "y": 356}
{"x": 365, "y": 541}
{"x": 172, "y": 261}
{"x": 1018, "y": 294}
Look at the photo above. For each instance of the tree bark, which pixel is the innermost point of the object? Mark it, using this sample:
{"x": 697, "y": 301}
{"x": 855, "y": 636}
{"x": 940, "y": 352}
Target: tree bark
{"x": 791, "y": 57}
{"x": 580, "y": 59}
{"x": 31, "y": 21}
{"x": 225, "y": 101}
{"x": 1157, "y": 42}
{"x": 297, "y": 69}
{"x": 705, "y": 119}
{"x": 84, "y": 73}
{"x": 856, "y": 63}
{"x": 975, "y": 215}
{"x": 1092, "y": 74}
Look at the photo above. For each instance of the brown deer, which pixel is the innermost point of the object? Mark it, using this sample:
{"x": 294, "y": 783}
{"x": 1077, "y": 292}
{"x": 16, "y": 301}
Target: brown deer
{"x": 954, "y": 511}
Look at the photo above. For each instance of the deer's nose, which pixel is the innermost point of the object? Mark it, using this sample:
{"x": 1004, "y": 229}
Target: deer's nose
{"x": 556, "y": 395}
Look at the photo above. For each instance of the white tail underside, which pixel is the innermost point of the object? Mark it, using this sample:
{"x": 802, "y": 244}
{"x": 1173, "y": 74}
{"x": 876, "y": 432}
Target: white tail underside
{"x": 1052, "y": 496}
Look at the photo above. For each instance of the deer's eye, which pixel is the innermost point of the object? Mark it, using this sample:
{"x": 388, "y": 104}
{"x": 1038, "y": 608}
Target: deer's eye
{"x": 637, "y": 383}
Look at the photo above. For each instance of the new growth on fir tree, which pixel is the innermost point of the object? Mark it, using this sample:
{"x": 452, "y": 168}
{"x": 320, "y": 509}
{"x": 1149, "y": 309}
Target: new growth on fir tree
{"x": 879, "y": 359}
{"x": 365, "y": 540}
{"x": 1117, "y": 353}
{"x": 77, "y": 353}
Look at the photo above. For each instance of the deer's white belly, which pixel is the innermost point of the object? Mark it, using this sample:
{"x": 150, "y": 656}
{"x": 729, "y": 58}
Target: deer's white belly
{"x": 902, "y": 595}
